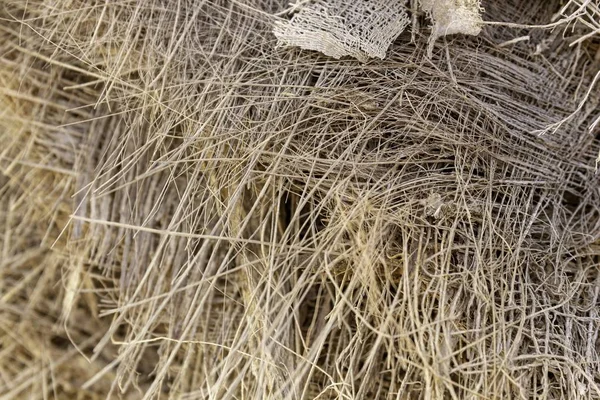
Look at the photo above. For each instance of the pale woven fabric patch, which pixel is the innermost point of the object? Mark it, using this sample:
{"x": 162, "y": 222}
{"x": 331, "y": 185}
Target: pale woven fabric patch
{"x": 359, "y": 28}
{"x": 452, "y": 16}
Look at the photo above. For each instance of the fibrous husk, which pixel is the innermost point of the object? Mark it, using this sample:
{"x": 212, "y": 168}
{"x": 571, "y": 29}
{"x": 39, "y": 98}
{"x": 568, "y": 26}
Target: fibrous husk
{"x": 451, "y": 17}
{"x": 365, "y": 29}
{"x": 361, "y": 29}
{"x": 189, "y": 212}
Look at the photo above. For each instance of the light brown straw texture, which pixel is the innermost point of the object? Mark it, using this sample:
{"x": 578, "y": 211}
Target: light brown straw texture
{"x": 190, "y": 212}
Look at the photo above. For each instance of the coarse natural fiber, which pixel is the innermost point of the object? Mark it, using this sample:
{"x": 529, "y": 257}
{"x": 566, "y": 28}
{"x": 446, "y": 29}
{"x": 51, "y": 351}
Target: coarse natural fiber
{"x": 339, "y": 28}
{"x": 366, "y": 28}
{"x": 189, "y": 211}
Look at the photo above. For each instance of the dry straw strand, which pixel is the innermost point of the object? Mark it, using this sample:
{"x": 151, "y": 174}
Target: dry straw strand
{"x": 188, "y": 211}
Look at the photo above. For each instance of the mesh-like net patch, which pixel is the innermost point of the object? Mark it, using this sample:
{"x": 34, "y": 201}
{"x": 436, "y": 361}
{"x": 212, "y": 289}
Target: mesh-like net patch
{"x": 360, "y": 28}
{"x": 451, "y": 17}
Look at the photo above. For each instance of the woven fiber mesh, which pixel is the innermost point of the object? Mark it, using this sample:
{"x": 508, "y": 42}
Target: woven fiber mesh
{"x": 362, "y": 29}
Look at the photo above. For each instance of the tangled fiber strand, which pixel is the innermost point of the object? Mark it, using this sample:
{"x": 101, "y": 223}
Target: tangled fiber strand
{"x": 203, "y": 216}
{"x": 43, "y": 157}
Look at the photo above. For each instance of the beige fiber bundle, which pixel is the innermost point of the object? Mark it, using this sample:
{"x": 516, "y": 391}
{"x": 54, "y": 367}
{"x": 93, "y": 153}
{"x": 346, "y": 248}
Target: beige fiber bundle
{"x": 193, "y": 208}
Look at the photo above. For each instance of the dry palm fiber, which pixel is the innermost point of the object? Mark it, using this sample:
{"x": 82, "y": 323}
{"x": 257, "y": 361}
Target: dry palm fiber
{"x": 41, "y": 161}
{"x": 366, "y": 28}
{"x": 207, "y": 216}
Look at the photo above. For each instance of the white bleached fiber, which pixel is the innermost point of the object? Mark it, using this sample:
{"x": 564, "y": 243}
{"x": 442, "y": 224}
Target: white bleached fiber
{"x": 451, "y": 17}
{"x": 361, "y": 29}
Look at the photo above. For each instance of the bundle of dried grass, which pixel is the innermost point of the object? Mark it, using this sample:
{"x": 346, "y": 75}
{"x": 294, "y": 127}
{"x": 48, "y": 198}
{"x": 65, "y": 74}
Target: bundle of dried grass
{"x": 190, "y": 212}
